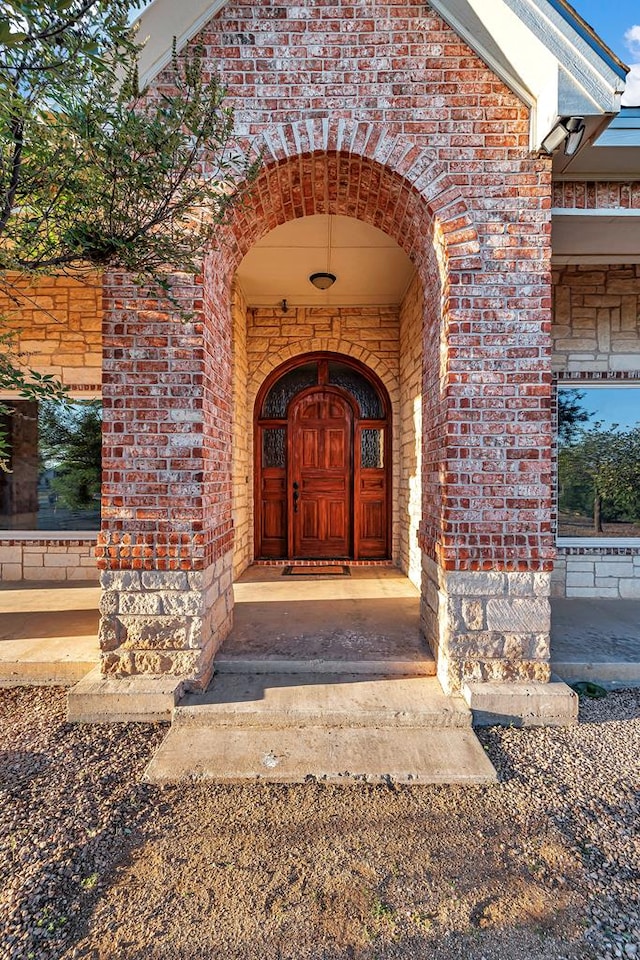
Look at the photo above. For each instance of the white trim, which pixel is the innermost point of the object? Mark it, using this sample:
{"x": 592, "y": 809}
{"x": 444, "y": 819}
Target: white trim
{"x": 153, "y": 18}
{"x": 44, "y": 535}
{"x": 611, "y": 212}
{"x": 602, "y": 383}
{"x": 510, "y": 79}
{"x": 594, "y": 259}
{"x": 598, "y": 542}
{"x": 599, "y": 177}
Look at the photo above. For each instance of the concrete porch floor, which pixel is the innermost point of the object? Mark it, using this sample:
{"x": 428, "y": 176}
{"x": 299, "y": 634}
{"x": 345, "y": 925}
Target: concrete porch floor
{"x": 48, "y": 631}
{"x": 368, "y": 621}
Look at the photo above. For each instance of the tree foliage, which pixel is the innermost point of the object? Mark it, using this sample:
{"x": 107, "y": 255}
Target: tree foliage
{"x": 95, "y": 172}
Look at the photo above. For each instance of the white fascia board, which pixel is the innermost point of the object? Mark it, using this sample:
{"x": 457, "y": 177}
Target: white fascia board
{"x": 600, "y": 81}
{"x": 514, "y": 53}
{"x": 611, "y": 212}
{"x": 161, "y": 22}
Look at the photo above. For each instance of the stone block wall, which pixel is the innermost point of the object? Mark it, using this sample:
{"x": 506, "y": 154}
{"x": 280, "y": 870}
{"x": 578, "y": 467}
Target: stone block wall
{"x": 58, "y": 327}
{"x": 48, "y": 559}
{"x": 409, "y": 494}
{"x": 242, "y": 440}
{"x": 159, "y": 622}
{"x": 488, "y": 626}
{"x": 612, "y": 573}
{"x": 596, "y": 318}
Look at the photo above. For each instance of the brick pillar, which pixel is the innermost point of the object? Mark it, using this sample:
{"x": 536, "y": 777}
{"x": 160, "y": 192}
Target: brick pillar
{"x": 486, "y": 533}
{"x": 165, "y": 546}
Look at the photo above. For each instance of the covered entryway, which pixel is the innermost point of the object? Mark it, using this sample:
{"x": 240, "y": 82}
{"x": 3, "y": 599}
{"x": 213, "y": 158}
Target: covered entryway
{"x": 322, "y": 454}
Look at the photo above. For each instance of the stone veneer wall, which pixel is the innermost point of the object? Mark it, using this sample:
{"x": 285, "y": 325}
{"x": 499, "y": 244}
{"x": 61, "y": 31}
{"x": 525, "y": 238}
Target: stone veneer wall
{"x": 596, "y": 337}
{"x": 58, "y": 326}
{"x": 409, "y": 495}
{"x": 54, "y": 559}
{"x": 242, "y": 440}
{"x": 596, "y": 318}
{"x": 491, "y": 626}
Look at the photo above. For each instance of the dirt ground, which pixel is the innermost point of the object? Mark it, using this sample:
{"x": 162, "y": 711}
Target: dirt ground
{"x": 124, "y": 871}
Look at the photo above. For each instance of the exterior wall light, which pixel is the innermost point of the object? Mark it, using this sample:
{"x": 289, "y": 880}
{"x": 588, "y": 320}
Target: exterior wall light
{"x": 322, "y": 280}
{"x": 570, "y": 131}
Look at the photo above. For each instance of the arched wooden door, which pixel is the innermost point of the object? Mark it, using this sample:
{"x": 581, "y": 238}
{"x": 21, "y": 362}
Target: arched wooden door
{"x": 323, "y": 462}
{"x": 320, "y": 474}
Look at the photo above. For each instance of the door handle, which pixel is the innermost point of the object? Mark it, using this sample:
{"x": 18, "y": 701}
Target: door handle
{"x": 296, "y": 496}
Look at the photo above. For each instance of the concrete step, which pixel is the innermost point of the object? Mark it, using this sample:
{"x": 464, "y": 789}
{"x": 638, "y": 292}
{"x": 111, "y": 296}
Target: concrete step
{"x": 330, "y": 700}
{"x": 333, "y": 754}
{"x": 136, "y": 699}
{"x": 423, "y": 667}
{"x": 24, "y": 672}
{"x": 606, "y": 674}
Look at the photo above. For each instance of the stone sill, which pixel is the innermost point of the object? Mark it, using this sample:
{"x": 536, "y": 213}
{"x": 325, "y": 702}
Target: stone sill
{"x": 599, "y": 545}
{"x": 47, "y": 536}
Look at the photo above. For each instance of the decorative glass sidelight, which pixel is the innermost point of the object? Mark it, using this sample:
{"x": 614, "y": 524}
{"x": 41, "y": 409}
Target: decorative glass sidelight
{"x": 274, "y": 446}
{"x": 372, "y": 447}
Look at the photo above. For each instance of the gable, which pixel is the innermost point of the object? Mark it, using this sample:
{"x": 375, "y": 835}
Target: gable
{"x": 541, "y": 49}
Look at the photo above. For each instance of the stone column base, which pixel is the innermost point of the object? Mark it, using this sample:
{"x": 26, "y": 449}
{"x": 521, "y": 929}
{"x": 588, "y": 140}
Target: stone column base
{"x": 486, "y": 626}
{"x": 165, "y": 622}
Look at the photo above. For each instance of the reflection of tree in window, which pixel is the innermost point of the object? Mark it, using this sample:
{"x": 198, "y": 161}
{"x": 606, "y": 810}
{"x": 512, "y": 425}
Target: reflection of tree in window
{"x": 70, "y": 449}
{"x": 598, "y": 469}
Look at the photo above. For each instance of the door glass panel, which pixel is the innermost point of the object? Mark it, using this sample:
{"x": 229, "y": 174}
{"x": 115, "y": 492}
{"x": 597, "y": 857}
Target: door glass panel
{"x": 274, "y": 447}
{"x": 341, "y": 375}
{"x": 277, "y": 400}
{"x": 372, "y": 447}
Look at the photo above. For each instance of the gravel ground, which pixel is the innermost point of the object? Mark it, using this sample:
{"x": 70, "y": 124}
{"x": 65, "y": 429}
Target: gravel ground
{"x": 93, "y": 864}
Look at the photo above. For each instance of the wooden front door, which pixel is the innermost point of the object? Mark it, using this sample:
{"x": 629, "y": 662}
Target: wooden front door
{"x": 320, "y": 475}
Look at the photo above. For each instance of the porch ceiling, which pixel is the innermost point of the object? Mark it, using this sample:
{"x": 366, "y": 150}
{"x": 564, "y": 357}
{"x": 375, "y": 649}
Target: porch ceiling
{"x": 371, "y": 269}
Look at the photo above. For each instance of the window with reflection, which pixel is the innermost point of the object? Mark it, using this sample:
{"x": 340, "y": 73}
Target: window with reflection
{"x": 55, "y": 466}
{"x": 599, "y": 461}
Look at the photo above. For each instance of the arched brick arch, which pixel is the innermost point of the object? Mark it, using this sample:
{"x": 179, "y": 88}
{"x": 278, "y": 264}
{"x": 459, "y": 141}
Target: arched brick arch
{"x": 398, "y": 157}
{"x": 398, "y": 188}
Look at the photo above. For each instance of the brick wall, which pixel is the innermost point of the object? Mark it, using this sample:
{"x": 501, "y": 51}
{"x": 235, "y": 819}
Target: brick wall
{"x": 58, "y": 325}
{"x": 597, "y": 194}
{"x": 385, "y": 115}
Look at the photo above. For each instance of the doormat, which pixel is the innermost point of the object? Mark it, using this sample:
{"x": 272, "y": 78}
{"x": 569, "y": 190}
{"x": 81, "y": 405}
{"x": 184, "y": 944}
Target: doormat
{"x": 323, "y": 570}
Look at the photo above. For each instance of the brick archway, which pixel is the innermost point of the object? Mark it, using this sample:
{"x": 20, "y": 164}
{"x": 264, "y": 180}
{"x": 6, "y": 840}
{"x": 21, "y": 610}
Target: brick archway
{"x": 392, "y": 185}
{"x": 400, "y": 160}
